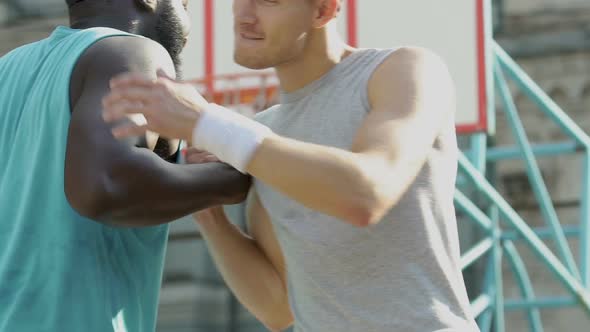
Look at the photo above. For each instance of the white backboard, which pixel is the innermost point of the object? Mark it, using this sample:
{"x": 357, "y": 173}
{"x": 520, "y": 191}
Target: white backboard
{"x": 454, "y": 29}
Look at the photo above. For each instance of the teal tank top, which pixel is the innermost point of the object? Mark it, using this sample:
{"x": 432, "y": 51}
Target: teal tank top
{"x": 58, "y": 270}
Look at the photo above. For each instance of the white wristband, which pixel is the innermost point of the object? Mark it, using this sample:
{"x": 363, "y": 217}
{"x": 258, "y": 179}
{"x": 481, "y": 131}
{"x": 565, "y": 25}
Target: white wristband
{"x": 231, "y": 137}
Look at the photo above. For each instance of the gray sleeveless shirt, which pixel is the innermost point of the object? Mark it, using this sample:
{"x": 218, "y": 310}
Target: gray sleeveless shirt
{"x": 400, "y": 275}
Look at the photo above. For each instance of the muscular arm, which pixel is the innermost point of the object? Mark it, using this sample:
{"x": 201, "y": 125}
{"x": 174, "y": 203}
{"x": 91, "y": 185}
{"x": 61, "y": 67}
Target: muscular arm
{"x": 411, "y": 95}
{"x": 251, "y": 265}
{"x": 114, "y": 182}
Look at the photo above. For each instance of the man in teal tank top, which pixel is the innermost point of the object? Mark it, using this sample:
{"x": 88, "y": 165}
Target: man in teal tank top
{"x": 82, "y": 215}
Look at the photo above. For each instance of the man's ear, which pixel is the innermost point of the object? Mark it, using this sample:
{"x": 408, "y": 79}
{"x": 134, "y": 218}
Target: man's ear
{"x": 150, "y": 5}
{"x": 326, "y": 11}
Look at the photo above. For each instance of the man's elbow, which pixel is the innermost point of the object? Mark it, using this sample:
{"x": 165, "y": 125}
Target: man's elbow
{"x": 90, "y": 200}
{"x": 368, "y": 209}
{"x": 88, "y": 205}
{"x": 364, "y": 216}
{"x": 279, "y": 322}
{"x": 278, "y": 327}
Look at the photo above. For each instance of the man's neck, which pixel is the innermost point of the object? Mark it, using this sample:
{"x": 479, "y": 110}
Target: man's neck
{"x": 123, "y": 24}
{"x": 84, "y": 16}
{"x": 323, "y": 52}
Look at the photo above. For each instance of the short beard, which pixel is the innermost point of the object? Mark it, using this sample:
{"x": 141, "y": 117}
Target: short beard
{"x": 169, "y": 34}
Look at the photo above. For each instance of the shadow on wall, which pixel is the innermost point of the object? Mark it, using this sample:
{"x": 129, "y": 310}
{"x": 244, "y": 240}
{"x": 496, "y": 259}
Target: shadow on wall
{"x": 11, "y": 11}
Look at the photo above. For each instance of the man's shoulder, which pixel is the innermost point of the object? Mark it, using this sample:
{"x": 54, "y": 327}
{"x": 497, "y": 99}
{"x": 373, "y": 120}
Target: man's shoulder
{"x": 127, "y": 50}
{"x": 116, "y": 55}
{"x": 411, "y": 58}
{"x": 408, "y": 65}
{"x": 17, "y": 54}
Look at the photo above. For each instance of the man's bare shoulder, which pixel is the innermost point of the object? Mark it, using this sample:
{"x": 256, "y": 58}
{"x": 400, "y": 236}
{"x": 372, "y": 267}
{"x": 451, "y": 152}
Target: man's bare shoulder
{"x": 120, "y": 54}
{"x": 412, "y": 58}
{"x": 116, "y": 55}
{"x": 410, "y": 69}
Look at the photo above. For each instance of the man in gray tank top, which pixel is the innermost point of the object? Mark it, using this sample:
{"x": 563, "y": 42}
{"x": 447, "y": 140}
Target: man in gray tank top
{"x": 351, "y": 224}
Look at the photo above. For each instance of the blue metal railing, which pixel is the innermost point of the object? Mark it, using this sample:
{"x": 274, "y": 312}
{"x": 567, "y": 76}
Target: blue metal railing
{"x": 502, "y": 225}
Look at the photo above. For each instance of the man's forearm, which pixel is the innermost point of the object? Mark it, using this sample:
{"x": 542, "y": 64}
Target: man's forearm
{"x": 333, "y": 181}
{"x": 144, "y": 190}
{"x": 248, "y": 272}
